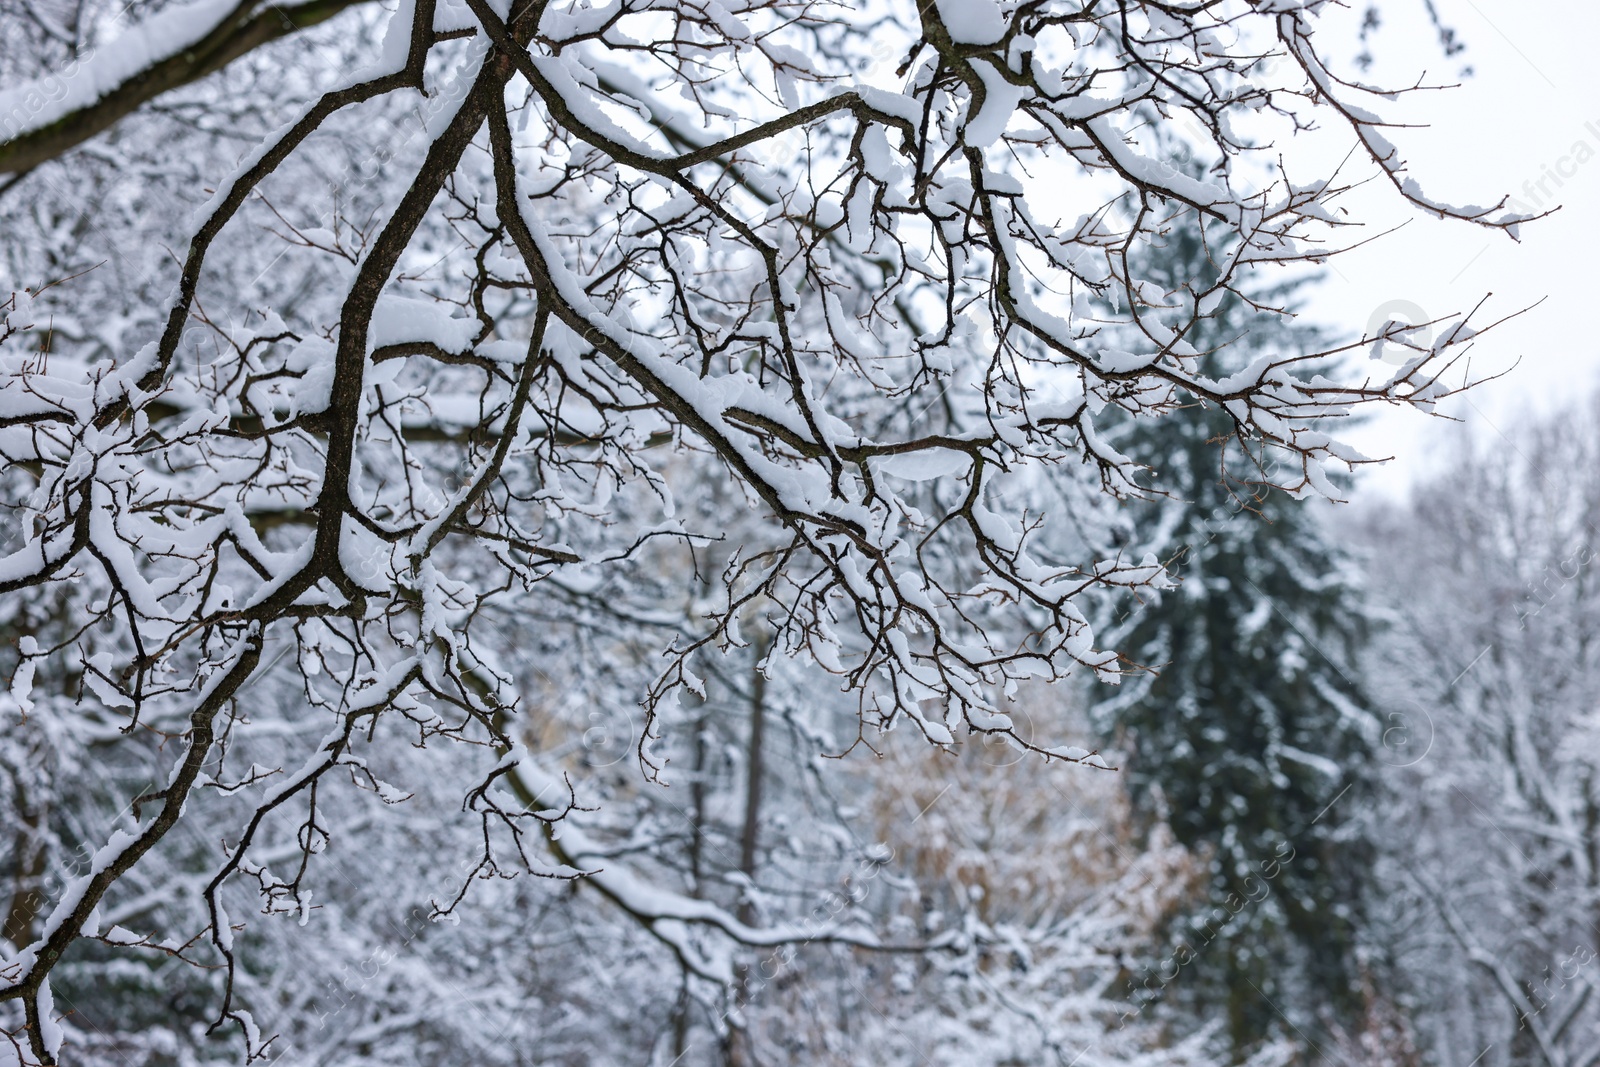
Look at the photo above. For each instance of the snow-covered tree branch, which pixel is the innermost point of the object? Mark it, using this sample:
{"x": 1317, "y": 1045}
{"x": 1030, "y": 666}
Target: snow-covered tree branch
{"x": 382, "y": 410}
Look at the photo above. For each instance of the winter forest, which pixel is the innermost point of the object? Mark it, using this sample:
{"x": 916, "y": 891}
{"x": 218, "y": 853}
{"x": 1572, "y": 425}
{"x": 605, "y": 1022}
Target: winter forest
{"x": 735, "y": 533}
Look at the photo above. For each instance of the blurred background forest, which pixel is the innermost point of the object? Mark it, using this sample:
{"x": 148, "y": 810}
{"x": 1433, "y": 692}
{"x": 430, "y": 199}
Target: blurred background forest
{"x": 1355, "y": 819}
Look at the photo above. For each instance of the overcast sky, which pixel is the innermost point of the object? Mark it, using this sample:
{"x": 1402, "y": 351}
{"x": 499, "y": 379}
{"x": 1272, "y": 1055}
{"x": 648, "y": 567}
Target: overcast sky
{"x": 1529, "y": 111}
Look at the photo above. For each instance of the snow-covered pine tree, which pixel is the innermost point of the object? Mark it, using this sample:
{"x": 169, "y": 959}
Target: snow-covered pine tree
{"x": 1251, "y": 736}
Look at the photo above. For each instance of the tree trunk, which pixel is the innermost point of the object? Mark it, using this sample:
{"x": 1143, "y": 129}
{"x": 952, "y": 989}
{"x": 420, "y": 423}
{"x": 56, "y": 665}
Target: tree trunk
{"x": 740, "y": 1050}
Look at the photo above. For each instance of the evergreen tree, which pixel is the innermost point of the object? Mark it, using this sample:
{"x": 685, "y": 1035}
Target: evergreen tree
{"x": 1252, "y": 738}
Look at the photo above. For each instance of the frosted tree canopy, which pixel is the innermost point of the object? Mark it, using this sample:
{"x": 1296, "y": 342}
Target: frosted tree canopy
{"x": 470, "y": 329}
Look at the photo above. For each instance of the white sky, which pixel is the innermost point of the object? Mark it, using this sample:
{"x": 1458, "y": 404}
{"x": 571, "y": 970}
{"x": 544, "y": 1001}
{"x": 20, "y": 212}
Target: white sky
{"x": 1534, "y": 90}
